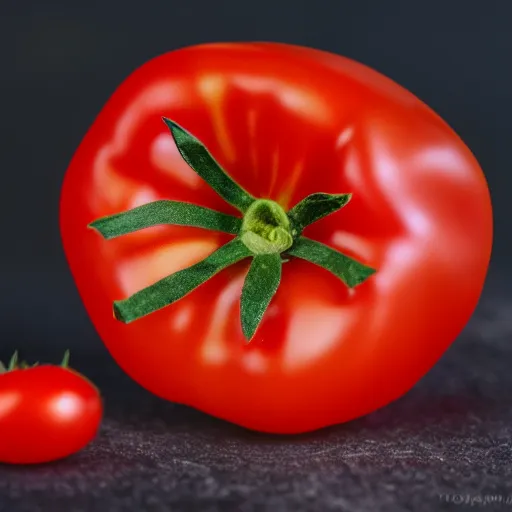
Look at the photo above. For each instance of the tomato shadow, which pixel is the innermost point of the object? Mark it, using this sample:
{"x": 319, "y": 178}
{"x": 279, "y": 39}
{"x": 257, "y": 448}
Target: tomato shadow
{"x": 418, "y": 410}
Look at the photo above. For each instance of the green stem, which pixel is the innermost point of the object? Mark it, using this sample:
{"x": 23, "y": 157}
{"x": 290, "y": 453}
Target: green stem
{"x": 266, "y": 232}
{"x": 266, "y": 228}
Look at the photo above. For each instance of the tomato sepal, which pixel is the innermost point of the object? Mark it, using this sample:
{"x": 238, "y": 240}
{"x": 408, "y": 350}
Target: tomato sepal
{"x": 265, "y": 230}
{"x": 177, "y": 285}
{"x": 13, "y": 363}
{"x": 260, "y": 286}
{"x": 313, "y": 208}
{"x": 65, "y": 359}
{"x": 202, "y": 162}
{"x": 165, "y": 212}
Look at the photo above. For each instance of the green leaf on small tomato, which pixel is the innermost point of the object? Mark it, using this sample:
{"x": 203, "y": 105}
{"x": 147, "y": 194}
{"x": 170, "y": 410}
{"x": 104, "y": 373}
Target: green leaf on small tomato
{"x": 13, "y": 363}
{"x": 65, "y": 360}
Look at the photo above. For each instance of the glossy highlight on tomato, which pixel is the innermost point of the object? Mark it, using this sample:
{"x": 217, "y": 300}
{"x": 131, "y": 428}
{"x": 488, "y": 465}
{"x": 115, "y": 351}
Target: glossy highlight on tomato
{"x": 47, "y": 413}
{"x": 284, "y": 122}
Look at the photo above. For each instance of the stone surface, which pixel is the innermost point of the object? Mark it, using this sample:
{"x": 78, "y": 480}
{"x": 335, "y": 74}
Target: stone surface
{"x": 446, "y": 445}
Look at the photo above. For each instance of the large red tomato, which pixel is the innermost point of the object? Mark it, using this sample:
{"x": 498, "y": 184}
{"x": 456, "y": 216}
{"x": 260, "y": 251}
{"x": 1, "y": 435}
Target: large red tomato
{"x": 284, "y": 122}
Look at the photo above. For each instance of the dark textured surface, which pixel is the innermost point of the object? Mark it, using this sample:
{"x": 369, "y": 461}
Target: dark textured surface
{"x": 448, "y": 440}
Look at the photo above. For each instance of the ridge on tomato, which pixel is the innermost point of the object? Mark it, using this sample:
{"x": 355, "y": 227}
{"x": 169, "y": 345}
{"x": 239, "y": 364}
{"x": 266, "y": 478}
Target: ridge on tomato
{"x": 268, "y": 142}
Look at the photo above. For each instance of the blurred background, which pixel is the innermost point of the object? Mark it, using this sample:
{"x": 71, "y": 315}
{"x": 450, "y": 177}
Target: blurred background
{"x": 61, "y": 60}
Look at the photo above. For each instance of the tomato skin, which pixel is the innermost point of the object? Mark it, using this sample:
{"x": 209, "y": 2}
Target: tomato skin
{"x": 285, "y": 122}
{"x": 46, "y": 413}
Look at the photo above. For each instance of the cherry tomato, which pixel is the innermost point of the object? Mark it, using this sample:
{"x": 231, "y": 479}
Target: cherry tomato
{"x": 46, "y": 413}
{"x": 284, "y": 122}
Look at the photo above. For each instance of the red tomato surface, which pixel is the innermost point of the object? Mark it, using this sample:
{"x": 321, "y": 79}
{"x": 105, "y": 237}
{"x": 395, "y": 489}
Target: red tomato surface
{"x": 46, "y": 413}
{"x": 285, "y": 122}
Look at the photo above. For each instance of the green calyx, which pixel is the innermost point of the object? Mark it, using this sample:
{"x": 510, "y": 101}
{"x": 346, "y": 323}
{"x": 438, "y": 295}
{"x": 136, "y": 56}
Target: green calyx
{"x": 266, "y": 228}
{"x": 265, "y": 233}
{"x": 15, "y": 364}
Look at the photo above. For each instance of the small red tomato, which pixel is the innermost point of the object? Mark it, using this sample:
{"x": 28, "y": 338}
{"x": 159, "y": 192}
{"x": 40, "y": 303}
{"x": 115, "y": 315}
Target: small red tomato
{"x": 46, "y": 413}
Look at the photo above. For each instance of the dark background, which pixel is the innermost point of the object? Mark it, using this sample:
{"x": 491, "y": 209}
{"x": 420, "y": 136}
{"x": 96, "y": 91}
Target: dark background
{"x": 61, "y": 60}
{"x": 59, "y": 63}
